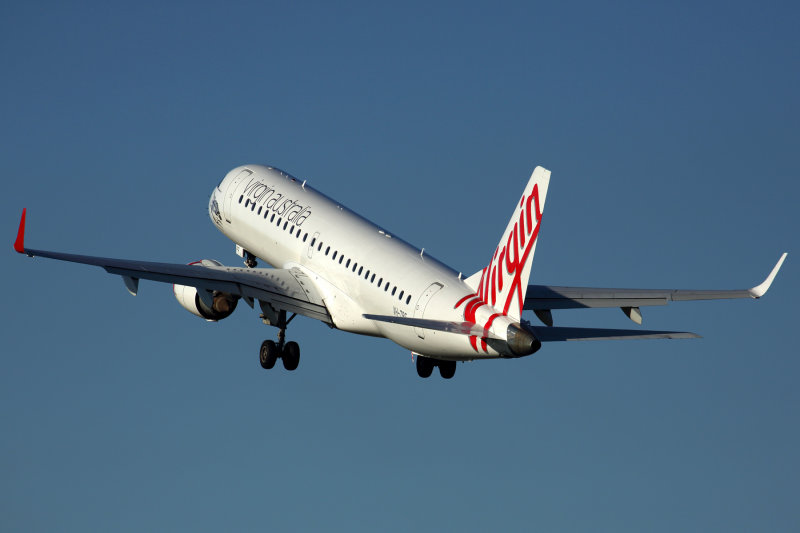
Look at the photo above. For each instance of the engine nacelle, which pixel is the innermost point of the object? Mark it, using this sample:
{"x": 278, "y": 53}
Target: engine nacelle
{"x": 223, "y": 303}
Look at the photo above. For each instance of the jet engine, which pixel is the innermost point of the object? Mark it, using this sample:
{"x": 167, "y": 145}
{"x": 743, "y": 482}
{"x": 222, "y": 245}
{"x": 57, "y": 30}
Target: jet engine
{"x": 222, "y": 303}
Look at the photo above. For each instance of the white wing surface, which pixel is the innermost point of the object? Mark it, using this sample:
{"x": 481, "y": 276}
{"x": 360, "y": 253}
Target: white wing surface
{"x": 290, "y": 290}
{"x": 544, "y": 297}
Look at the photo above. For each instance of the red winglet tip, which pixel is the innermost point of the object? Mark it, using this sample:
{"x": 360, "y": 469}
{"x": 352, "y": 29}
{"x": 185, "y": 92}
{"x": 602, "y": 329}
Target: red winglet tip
{"x": 19, "y": 244}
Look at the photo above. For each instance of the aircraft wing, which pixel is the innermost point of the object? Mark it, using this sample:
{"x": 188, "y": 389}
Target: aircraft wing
{"x": 545, "y": 297}
{"x": 287, "y": 289}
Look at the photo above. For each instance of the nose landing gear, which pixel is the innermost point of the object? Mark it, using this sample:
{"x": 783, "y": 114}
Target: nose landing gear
{"x": 288, "y": 352}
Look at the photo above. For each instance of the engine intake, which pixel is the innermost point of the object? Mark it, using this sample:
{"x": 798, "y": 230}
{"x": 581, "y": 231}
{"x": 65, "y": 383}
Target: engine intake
{"x": 222, "y": 305}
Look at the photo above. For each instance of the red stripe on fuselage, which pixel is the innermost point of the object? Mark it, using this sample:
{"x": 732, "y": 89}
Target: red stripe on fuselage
{"x": 464, "y": 299}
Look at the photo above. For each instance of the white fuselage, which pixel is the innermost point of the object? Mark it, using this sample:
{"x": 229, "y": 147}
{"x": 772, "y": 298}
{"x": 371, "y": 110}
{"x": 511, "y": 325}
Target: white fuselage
{"x": 358, "y": 267}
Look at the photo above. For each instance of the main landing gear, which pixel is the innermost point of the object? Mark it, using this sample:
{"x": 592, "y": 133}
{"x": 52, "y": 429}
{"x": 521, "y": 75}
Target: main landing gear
{"x": 288, "y": 352}
{"x": 447, "y": 369}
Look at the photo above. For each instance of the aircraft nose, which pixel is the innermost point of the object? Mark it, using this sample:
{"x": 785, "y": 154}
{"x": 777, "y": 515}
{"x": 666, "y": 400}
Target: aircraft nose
{"x": 214, "y": 206}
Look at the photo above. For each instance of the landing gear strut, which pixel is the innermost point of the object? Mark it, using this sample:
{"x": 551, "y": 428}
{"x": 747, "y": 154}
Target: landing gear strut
{"x": 289, "y": 352}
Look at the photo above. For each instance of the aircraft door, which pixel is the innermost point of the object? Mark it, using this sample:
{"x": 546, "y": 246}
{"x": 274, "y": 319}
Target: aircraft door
{"x": 231, "y": 190}
{"x": 312, "y": 243}
{"x": 422, "y": 303}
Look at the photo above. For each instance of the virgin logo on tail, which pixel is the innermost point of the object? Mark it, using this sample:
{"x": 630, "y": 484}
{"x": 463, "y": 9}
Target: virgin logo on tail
{"x": 504, "y": 282}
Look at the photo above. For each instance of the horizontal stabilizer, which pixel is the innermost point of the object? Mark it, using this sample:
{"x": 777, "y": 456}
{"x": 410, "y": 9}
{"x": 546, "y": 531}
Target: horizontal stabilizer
{"x": 554, "y": 334}
{"x": 459, "y": 328}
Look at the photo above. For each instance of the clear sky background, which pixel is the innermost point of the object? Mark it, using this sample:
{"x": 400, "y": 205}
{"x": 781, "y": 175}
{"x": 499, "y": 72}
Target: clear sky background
{"x": 672, "y": 134}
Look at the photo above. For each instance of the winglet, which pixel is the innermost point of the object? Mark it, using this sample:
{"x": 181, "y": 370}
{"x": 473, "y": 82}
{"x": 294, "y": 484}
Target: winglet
{"x": 19, "y": 244}
{"x": 760, "y": 290}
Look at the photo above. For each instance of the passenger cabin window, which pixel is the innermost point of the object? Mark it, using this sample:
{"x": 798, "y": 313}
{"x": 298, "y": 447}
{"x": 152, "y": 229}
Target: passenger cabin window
{"x": 341, "y": 258}
{"x": 394, "y": 290}
{"x": 400, "y": 296}
{"x": 347, "y": 264}
{"x": 334, "y": 255}
{"x": 240, "y": 198}
{"x": 259, "y": 210}
{"x": 408, "y": 299}
{"x": 328, "y": 249}
{"x": 319, "y": 247}
{"x": 306, "y": 237}
{"x": 285, "y": 224}
{"x": 313, "y": 241}
{"x": 373, "y": 278}
{"x": 360, "y": 270}
{"x": 272, "y": 218}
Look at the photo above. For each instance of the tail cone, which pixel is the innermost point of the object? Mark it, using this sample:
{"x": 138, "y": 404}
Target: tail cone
{"x": 521, "y": 342}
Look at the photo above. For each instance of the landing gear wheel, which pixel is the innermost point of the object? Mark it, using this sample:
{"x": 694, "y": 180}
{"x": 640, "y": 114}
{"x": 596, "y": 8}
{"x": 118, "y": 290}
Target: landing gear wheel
{"x": 447, "y": 369}
{"x": 424, "y": 366}
{"x": 291, "y": 355}
{"x": 268, "y": 354}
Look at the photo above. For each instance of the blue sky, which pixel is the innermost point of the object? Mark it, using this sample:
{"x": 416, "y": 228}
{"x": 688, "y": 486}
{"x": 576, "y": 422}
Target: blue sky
{"x": 672, "y": 134}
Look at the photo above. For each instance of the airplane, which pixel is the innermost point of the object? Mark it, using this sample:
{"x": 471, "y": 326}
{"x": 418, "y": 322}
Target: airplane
{"x": 333, "y": 265}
